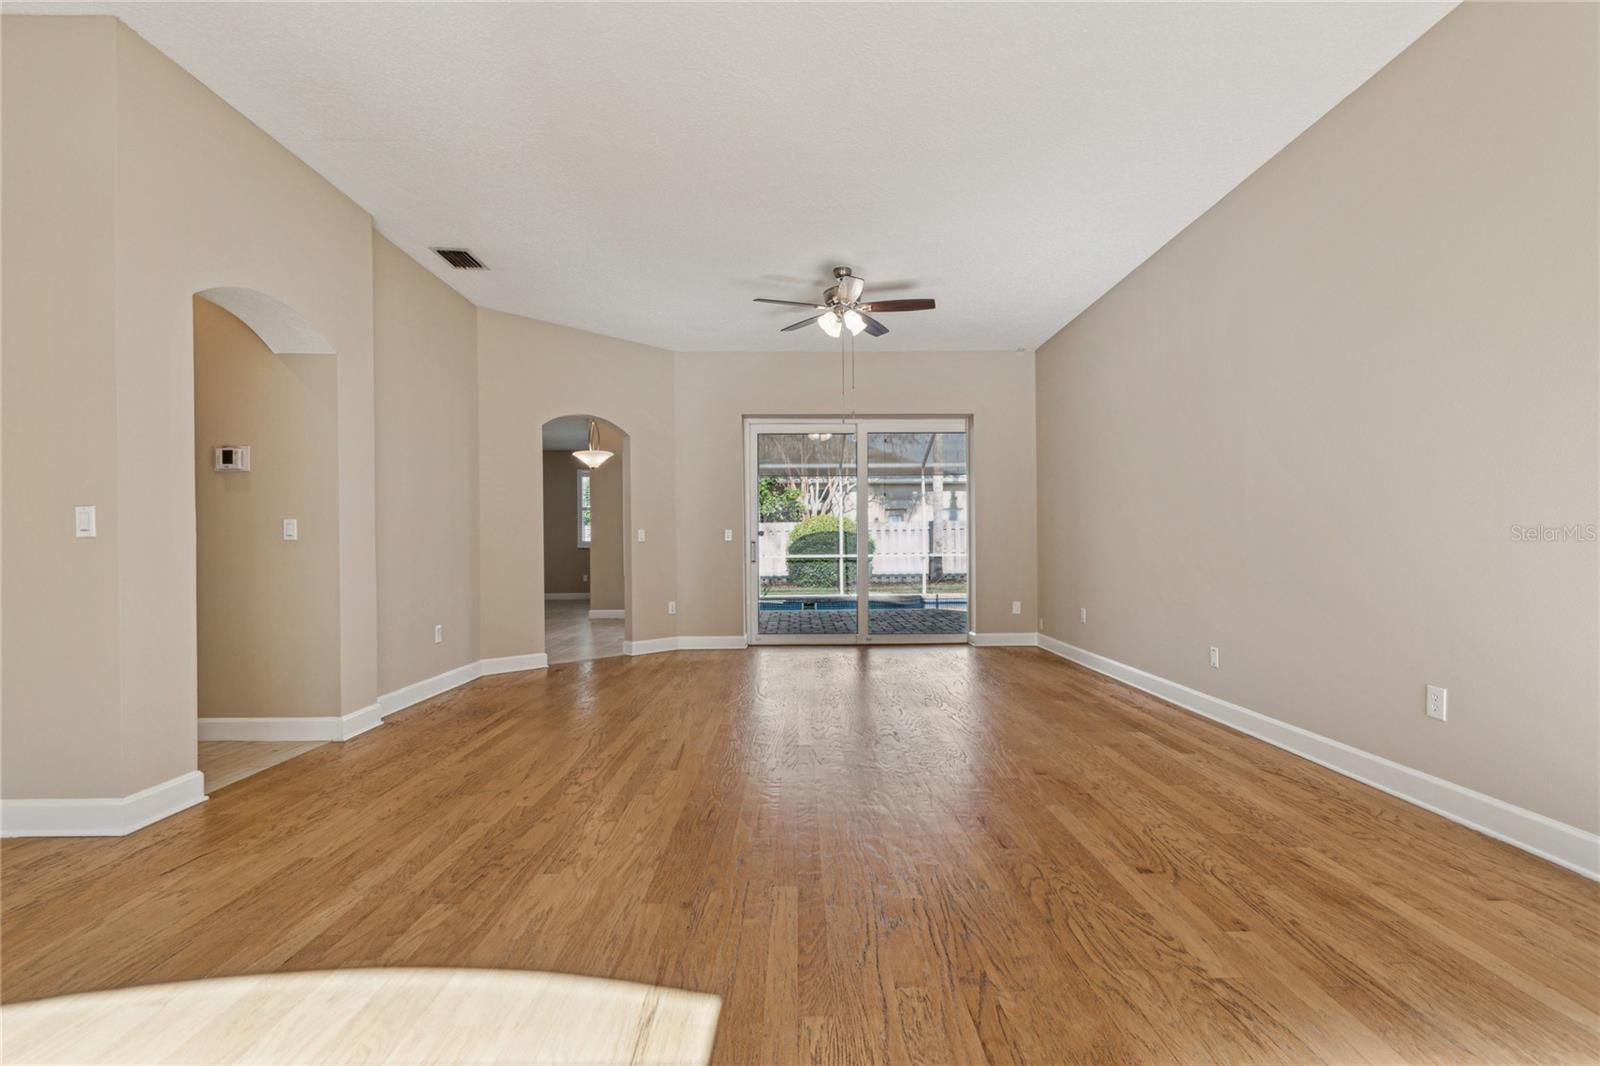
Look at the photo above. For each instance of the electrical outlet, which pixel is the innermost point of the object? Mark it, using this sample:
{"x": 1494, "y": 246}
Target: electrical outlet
{"x": 1016, "y": 606}
{"x": 641, "y": 536}
{"x": 585, "y": 579}
{"x": 727, "y": 536}
{"x": 1438, "y": 702}
{"x": 1216, "y": 659}
{"x": 1083, "y": 615}
{"x": 438, "y": 634}
{"x": 672, "y": 606}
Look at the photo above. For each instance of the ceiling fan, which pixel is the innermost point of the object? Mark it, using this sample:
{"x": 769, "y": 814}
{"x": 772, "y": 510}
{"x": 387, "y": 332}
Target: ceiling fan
{"x": 841, "y": 308}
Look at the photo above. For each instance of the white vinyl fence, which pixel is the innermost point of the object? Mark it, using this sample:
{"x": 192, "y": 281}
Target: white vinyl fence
{"x": 898, "y": 548}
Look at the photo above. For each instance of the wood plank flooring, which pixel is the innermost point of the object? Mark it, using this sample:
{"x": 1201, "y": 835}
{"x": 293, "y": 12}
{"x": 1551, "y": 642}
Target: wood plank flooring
{"x": 886, "y": 855}
{"x": 225, "y": 761}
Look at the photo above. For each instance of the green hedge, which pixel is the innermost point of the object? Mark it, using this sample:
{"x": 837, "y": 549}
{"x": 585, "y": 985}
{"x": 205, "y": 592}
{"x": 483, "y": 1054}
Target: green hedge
{"x": 819, "y": 535}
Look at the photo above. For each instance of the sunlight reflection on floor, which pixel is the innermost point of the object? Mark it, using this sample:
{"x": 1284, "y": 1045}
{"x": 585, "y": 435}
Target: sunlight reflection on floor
{"x": 369, "y": 1015}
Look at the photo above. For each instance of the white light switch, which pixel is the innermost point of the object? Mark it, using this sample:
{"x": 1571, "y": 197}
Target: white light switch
{"x": 672, "y": 606}
{"x": 1216, "y": 659}
{"x": 83, "y": 521}
{"x": 291, "y": 529}
{"x": 641, "y": 536}
{"x": 727, "y": 536}
{"x": 438, "y": 634}
{"x": 1083, "y": 615}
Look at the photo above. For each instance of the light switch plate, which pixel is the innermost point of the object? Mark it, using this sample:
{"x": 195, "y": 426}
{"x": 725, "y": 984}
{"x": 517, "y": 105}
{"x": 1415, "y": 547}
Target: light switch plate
{"x": 83, "y": 524}
{"x": 291, "y": 529}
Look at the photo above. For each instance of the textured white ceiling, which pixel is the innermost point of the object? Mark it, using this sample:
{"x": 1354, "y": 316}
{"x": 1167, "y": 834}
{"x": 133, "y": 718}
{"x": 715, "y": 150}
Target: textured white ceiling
{"x": 644, "y": 170}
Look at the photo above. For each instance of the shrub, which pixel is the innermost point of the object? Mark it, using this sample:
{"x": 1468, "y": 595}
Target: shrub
{"x": 780, "y": 501}
{"x": 819, "y": 535}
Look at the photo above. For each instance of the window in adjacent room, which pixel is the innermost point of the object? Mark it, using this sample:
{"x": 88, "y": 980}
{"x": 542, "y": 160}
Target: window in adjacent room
{"x": 585, "y": 516}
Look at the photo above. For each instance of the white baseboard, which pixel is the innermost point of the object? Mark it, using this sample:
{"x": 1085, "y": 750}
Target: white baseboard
{"x": 510, "y": 664}
{"x": 649, "y": 647}
{"x": 1003, "y": 640}
{"x": 325, "y": 727}
{"x": 705, "y": 643}
{"x": 418, "y": 691}
{"x": 713, "y": 643}
{"x": 607, "y": 613}
{"x": 1557, "y": 842}
{"x": 101, "y": 817}
{"x": 566, "y": 595}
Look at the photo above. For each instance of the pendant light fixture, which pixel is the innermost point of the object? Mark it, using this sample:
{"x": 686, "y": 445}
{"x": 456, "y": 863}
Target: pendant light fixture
{"x": 593, "y": 455}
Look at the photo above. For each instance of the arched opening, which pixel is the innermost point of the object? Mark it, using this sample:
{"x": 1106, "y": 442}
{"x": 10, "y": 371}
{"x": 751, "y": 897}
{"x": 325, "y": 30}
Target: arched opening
{"x": 585, "y": 545}
{"x": 266, "y": 532}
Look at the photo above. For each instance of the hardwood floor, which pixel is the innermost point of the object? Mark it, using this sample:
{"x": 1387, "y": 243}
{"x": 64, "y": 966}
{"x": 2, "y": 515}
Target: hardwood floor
{"x": 225, "y": 761}
{"x": 895, "y": 855}
{"x": 570, "y": 635}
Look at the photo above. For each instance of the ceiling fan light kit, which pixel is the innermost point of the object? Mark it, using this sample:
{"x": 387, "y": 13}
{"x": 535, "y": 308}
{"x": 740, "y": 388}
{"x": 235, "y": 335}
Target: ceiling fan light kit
{"x": 841, "y": 308}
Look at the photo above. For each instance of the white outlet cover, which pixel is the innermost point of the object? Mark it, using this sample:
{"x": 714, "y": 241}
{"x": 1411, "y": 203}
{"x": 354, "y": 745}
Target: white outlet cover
{"x": 1083, "y": 615}
{"x": 1016, "y": 606}
{"x": 1438, "y": 703}
{"x": 727, "y": 535}
{"x": 1216, "y": 659}
{"x": 641, "y": 536}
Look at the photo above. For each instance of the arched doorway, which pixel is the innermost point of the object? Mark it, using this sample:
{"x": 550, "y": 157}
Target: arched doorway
{"x": 585, "y": 544}
{"x": 266, "y": 531}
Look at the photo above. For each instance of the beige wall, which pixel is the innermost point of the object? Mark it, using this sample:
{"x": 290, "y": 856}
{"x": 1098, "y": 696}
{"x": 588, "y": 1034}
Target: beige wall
{"x": 1303, "y": 431}
{"x": 566, "y": 566}
{"x": 715, "y": 390}
{"x": 606, "y": 498}
{"x": 426, "y": 355}
{"x": 130, "y": 187}
{"x": 267, "y": 608}
{"x": 206, "y": 199}
{"x": 528, "y": 373}
{"x": 61, "y": 731}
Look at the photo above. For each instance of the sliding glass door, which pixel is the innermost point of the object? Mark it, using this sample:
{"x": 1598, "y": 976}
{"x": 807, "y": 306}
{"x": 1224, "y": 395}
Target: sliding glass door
{"x": 803, "y": 540}
{"x": 916, "y": 500}
{"x": 813, "y": 487}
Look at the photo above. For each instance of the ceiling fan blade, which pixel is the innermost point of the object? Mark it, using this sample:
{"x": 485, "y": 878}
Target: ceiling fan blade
{"x": 802, "y": 322}
{"x": 878, "y": 307}
{"x": 786, "y": 303}
{"x": 874, "y": 327}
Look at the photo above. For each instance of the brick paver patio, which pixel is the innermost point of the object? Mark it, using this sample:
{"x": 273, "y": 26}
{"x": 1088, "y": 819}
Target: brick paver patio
{"x": 896, "y": 621}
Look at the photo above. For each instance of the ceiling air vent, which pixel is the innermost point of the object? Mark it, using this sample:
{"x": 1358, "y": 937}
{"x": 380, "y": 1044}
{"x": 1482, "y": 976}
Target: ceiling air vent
{"x": 460, "y": 258}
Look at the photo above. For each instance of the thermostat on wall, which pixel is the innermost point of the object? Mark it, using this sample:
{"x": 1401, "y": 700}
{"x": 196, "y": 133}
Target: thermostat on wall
{"x": 233, "y": 457}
